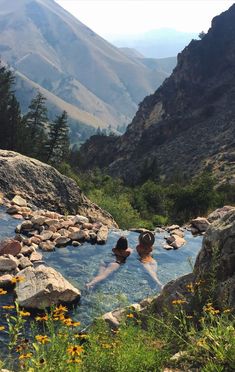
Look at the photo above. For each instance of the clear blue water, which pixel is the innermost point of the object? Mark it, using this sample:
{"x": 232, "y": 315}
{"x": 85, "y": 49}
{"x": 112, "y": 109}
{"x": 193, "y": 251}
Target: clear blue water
{"x": 131, "y": 283}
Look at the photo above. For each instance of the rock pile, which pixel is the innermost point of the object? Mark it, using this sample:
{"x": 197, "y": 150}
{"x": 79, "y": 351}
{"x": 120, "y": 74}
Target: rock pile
{"x": 176, "y": 238}
{"x": 47, "y": 230}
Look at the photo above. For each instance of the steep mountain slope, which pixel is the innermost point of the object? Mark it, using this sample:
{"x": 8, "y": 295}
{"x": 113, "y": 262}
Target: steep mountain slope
{"x": 50, "y": 47}
{"x": 188, "y": 124}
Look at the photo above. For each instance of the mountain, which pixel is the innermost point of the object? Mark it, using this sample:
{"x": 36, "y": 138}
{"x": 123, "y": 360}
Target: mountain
{"x": 45, "y": 44}
{"x": 188, "y": 124}
{"x": 159, "y": 43}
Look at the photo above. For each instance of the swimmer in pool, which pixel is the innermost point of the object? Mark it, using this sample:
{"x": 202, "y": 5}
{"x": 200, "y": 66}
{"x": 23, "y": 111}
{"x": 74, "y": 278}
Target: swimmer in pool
{"x": 144, "y": 249}
{"x": 121, "y": 252}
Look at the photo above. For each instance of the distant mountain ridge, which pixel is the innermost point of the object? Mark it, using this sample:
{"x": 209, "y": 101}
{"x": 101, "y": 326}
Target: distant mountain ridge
{"x": 188, "y": 124}
{"x": 159, "y": 43}
{"x": 51, "y": 48}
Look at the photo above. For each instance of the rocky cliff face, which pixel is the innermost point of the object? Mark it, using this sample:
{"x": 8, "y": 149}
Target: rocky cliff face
{"x": 188, "y": 124}
{"x": 43, "y": 186}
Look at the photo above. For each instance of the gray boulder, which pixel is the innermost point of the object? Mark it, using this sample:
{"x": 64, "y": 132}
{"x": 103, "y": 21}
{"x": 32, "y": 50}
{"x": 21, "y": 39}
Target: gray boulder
{"x": 47, "y": 188}
{"x": 43, "y": 287}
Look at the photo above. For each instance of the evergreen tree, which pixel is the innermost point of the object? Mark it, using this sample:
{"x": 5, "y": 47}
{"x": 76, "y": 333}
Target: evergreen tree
{"x": 36, "y": 120}
{"x": 58, "y": 145}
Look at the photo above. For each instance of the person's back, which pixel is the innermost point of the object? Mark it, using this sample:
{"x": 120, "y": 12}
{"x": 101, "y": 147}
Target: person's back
{"x": 121, "y": 251}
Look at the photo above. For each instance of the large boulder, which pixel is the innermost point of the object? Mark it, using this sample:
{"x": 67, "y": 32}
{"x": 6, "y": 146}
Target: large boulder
{"x": 214, "y": 267}
{"x": 201, "y": 224}
{"x": 43, "y": 287}
{"x": 43, "y": 186}
{"x": 219, "y": 213}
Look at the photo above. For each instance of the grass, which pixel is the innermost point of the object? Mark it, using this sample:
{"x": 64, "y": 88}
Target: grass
{"x": 202, "y": 340}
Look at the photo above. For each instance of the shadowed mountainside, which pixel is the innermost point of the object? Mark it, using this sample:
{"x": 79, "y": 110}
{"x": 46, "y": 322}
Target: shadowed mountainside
{"x": 188, "y": 124}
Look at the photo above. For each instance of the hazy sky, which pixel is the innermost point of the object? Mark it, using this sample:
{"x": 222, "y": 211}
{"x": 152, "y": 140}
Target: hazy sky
{"x": 112, "y": 18}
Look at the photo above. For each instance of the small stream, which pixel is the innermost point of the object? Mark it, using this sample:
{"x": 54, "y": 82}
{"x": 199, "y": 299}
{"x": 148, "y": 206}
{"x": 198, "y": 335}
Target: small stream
{"x": 131, "y": 283}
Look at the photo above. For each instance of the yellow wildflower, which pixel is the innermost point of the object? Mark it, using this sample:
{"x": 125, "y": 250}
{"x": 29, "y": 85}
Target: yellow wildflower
{"x": 42, "y": 318}
{"x": 190, "y": 287}
{"x": 42, "y": 339}
{"x": 2, "y": 292}
{"x": 130, "y": 316}
{"x": 82, "y": 336}
{"x": 106, "y": 346}
{"x": 24, "y": 313}
{"x": 201, "y": 342}
{"x": 2, "y": 328}
{"x": 178, "y": 302}
{"x": 189, "y": 316}
{"x": 8, "y": 307}
{"x": 61, "y": 309}
{"x": 75, "y": 360}
{"x": 25, "y": 356}
{"x": 17, "y": 279}
{"x": 58, "y": 317}
{"x": 227, "y": 311}
{"x": 75, "y": 350}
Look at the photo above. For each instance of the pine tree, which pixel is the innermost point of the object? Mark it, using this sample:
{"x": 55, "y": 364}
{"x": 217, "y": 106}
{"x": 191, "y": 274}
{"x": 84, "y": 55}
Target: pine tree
{"x": 10, "y": 115}
{"x": 58, "y": 145}
{"x": 36, "y": 120}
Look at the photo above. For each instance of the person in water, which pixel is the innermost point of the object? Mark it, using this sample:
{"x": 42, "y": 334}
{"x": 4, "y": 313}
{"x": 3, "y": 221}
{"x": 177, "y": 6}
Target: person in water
{"x": 144, "y": 249}
{"x": 121, "y": 252}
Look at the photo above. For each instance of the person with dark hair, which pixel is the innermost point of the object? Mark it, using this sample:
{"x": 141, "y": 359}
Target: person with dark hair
{"x": 144, "y": 249}
{"x": 121, "y": 252}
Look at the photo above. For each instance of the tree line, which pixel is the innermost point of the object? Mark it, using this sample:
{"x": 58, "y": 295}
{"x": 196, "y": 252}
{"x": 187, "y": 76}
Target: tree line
{"x": 31, "y": 134}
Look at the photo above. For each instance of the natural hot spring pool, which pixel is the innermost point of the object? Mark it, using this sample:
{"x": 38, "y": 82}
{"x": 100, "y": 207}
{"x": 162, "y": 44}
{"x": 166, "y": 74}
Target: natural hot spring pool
{"x": 127, "y": 285}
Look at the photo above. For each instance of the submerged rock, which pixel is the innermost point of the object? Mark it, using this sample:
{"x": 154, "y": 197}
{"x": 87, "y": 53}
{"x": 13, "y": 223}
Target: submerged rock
{"x": 44, "y": 287}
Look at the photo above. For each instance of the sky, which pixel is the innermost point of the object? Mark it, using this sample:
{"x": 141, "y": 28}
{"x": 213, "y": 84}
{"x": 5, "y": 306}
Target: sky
{"x": 116, "y": 18}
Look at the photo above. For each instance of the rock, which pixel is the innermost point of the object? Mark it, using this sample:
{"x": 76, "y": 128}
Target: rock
{"x": 177, "y": 242}
{"x": 102, "y": 235}
{"x": 200, "y": 223}
{"x": 167, "y": 247}
{"x": 44, "y": 287}
{"x": 73, "y": 229}
{"x": 138, "y": 230}
{"x": 194, "y": 231}
{"x": 8, "y": 263}
{"x": 219, "y": 213}
{"x": 26, "y": 225}
{"x": 80, "y": 219}
{"x": 62, "y": 242}
{"x": 35, "y": 240}
{"x": 5, "y": 281}
{"x": 46, "y": 235}
{"x": 79, "y": 235}
{"x": 216, "y": 258}
{"x": 75, "y": 243}
{"x": 10, "y": 246}
{"x": 88, "y": 226}
{"x": 18, "y": 200}
{"x": 92, "y": 236}
{"x": 178, "y": 232}
{"x": 38, "y": 220}
{"x": 67, "y": 224}
{"x": 13, "y": 210}
{"x": 27, "y": 250}
{"x": 35, "y": 256}
{"x": 218, "y": 255}
{"x": 47, "y": 246}
{"x": 24, "y": 262}
{"x": 17, "y": 216}
{"x": 63, "y": 232}
{"x": 55, "y": 236}
{"x": 172, "y": 227}
{"x": 51, "y": 222}
{"x": 46, "y": 188}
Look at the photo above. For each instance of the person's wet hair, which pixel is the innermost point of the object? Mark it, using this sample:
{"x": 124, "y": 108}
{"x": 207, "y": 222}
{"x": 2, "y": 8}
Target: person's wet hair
{"x": 122, "y": 243}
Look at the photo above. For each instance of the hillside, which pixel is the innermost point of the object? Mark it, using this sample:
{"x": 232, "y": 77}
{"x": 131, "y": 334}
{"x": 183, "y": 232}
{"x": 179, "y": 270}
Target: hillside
{"x": 188, "y": 124}
{"x": 46, "y": 44}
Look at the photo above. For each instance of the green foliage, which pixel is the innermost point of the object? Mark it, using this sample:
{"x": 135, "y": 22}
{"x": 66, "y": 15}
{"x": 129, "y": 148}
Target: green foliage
{"x": 58, "y": 143}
